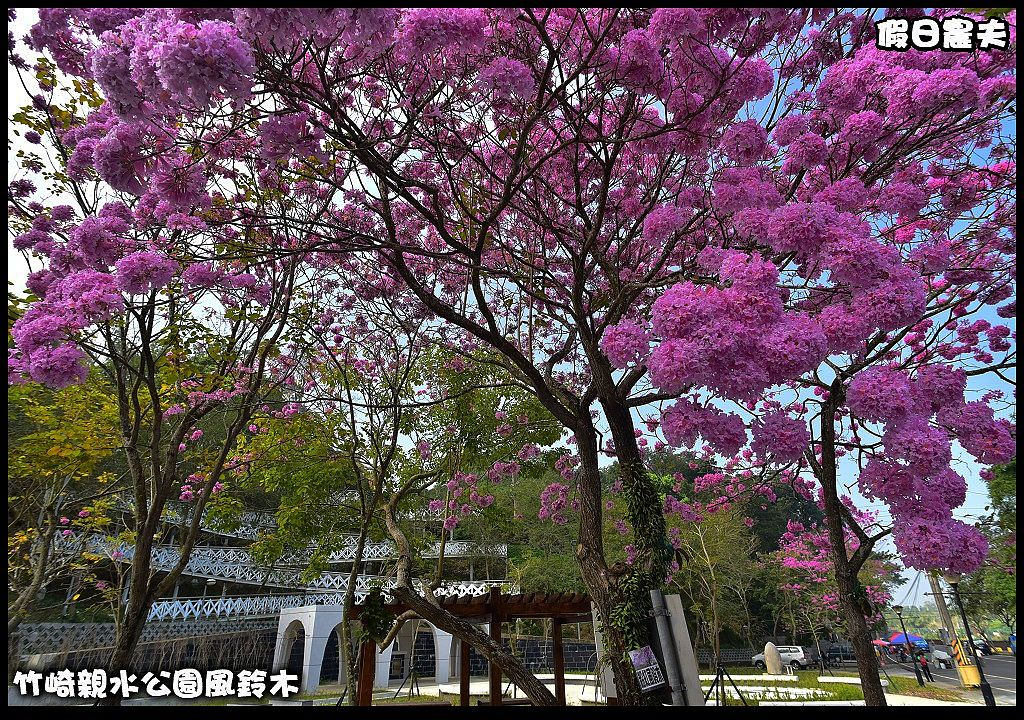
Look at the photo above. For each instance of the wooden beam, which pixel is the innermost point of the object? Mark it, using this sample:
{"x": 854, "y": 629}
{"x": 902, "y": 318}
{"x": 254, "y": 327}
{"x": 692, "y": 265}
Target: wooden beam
{"x": 567, "y": 606}
{"x": 494, "y": 672}
{"x": 367, "y": 673}
{"x": 464, "y": 673}
{"x": 559, "y": 657}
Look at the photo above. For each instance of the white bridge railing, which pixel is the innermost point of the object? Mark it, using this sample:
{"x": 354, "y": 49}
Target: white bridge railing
{"x": 265, "y": 605}
{"x": 252, "y": 522}
{"x": 373, "y": 551}
{"x": 236, "y": 565}
{"x": 219, "y": 562}
{"x": 70, "y": 638}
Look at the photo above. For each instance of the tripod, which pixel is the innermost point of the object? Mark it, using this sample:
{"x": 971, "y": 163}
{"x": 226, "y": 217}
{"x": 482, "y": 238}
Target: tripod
{"x": 824, "y": 664}
{"x": 413, "y": 677}
{"x": 718, "y": 687}
{"x": 414, "y": 683}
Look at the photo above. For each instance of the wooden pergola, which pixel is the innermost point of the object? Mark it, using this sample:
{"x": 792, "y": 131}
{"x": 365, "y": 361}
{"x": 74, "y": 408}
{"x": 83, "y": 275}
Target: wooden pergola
{"x": 494, "y": 609}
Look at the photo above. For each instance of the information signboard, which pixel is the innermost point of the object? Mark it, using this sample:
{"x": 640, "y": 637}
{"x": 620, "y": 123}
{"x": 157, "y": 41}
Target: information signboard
{"x": 648, "y": 671}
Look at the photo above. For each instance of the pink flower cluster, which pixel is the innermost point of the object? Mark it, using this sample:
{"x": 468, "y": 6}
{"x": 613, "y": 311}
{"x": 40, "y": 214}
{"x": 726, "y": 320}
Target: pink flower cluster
{"x": 683, "y": 421}
{"x": 157, "y": 63}
{"x": 79, "y": 290}
{"x": 626, "y": 343}
{"x": 283, "y": 137}
{"x": 554, "y": 500}
{"x": 780, "y": 437}
{"x": 448, "y": 31}
{"x": 736, "y": 340}
{"x": 914, "y": 476}
{"x": 461, "y": 487}
{"x": 144, "y": 271}
{"x": 505, "y": 77}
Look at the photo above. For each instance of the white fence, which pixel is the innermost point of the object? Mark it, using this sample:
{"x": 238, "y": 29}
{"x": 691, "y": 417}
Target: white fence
{"x": 269, "y": 605}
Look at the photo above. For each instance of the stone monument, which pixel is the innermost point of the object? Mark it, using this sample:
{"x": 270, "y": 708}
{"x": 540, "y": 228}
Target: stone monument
{"x": 772, "y": 659}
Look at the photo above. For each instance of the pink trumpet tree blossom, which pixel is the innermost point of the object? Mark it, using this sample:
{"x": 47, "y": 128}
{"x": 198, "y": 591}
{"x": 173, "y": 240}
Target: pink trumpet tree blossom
{"x": 781, "y": 245}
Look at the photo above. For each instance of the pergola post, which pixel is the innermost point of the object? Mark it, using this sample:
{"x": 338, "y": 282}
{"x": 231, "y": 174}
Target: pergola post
{"x": 559, "y": 657}
{"x": 367, "y": 671}
{"x": 464, "y": 673}
{"x": 494, "y": 672}
{"x": 493, "y": 608}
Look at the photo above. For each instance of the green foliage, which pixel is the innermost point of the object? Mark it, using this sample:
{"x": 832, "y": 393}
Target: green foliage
{"x": 989, "y": 12}
{"x": 770, "y": 518}
{"x": 717, "y": 574}
{"x": 1002, "y": 488}
{"x": 465, "y": 425}
{"x": 62, "y": 463}
{"x": 299, "y": 464}
{"x": 375, "y": 619}
{"x": 990, "y": 594}
{"x": 63, "y": 433}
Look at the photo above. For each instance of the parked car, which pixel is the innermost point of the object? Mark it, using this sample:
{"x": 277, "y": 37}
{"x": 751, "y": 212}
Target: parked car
{"x": 795, "y": 656}
{"x": 839, "y": 654}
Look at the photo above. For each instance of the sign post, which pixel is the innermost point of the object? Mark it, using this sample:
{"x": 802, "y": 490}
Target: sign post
{"x": 684, "y": 652}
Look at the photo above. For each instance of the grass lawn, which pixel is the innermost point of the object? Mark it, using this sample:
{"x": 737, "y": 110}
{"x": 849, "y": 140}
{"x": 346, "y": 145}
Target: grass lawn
{"x": 909, "y": 686}
{"x": 841, "y": 691}
{"x": 334, "y": 690}
{"x": 806, "y": 679}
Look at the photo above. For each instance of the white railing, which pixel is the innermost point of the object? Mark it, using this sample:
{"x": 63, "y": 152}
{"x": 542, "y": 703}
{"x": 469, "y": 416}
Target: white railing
{"x": 236, "y": 565}
{"x": 386, "y": 551}
{"x": 233, "y": 564}
{"x": 266, "y": 605}
{"x": 36, "y": 638}
{"x": 372, "y": 551}
{"x": 187, "y": 608}
{"x": 252, "y": 523}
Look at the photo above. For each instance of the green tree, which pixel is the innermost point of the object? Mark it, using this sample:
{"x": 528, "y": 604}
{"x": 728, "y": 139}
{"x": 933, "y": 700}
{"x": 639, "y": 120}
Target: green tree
{"x": 60, "y": 444}
{"x": 990, "y": 594}
{"x": 716, "y": 574}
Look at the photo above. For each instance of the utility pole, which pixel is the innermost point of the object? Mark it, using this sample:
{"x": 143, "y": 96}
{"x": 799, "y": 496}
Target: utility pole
{"x": 940, "y": 605}
{"x": 986, "y": 690}
{"x": 910, "y": 648}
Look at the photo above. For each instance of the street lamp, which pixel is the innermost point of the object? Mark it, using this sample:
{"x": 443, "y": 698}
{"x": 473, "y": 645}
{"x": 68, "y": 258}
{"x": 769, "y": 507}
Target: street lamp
{"x": 910, "y": 649}
{"x": 986, "y": 690}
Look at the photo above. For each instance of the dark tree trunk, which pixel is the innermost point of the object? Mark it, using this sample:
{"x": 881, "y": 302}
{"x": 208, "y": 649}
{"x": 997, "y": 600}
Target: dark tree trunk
{"x": 846, "y": 575}
{"x": 136, "y": 611}
{"x": 605, "y": 588}
{"x": 129, "y": 632}
{"x": 16, "y": 612}
{"x": 860, "y": 638}
{"x": 348, "y": 660}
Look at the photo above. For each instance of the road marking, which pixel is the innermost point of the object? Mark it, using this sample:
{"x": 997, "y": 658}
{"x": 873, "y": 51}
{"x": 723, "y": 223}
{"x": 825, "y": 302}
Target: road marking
{"x": 942, "y": 674}
{"x": 956, "y": 677}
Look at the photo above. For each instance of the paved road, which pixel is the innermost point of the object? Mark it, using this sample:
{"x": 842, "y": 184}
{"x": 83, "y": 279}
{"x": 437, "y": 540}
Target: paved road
{"x": 1000, "y": 671}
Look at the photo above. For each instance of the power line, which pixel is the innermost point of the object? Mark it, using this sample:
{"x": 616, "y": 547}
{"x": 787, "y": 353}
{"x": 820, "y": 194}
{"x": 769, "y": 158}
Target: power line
{"x": 912, "y": 588}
